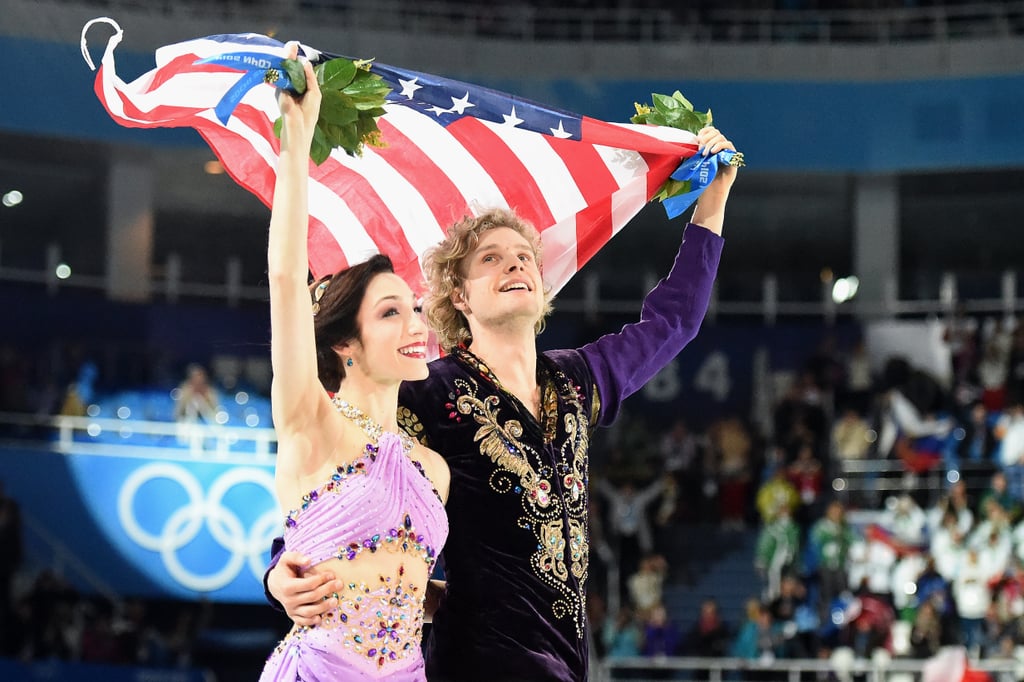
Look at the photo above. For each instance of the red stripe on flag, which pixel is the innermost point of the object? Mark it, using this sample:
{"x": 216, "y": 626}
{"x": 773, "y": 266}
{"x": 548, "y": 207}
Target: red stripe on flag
{"x": 446, "y": 202}
{"x": 594, "y": 131}
{"x": 361, "y": 198}
{"x": 659, "y": 167}
{"x": 593, "y": 229}
{"x": 597, "y": 184}
{"x": 183, "y": 64}
{"x": 325, "y": 256}
{"x": 163, "y": 116}
{"x": 501, "y": 163}
{"x": 586, "y": 166}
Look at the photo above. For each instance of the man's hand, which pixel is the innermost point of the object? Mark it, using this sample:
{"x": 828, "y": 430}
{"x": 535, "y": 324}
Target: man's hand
{"x": 710, "y": 211}
{"x": 305, "y": 598}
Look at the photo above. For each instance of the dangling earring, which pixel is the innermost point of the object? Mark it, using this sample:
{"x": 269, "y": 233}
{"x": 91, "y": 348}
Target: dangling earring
{"x": 349, "y": 362}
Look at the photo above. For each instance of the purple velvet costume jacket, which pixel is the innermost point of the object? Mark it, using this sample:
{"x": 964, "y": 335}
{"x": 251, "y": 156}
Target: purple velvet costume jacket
{"x": 518, "y": 547}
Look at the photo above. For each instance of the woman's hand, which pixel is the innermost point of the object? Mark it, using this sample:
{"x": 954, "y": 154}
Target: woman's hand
{"x": 300, "y": 113}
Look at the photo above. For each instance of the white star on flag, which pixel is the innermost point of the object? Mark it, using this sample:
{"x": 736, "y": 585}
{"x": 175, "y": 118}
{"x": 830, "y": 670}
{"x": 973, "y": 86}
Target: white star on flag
{"x": 438, "y": 110}
{"x": 460, "y": 105}
{"x": 409, "y": 88}
{"x": 560, "y": 131}
{"x": 511, "y": 119}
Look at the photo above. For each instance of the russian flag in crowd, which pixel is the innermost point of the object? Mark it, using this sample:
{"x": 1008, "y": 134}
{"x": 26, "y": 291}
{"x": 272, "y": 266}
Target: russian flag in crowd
{"x": 452, "y": 149}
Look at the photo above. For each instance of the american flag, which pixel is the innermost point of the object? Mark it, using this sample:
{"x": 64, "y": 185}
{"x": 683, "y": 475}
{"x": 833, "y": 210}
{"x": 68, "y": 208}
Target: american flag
{"x": 453, "y": 149}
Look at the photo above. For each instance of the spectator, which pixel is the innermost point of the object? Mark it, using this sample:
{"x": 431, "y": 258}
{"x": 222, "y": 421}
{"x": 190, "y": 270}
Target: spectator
{"x": 1009, "y": 432}
{"x": 778, "y": 545}
{"x": 661, "y": 635}
{"x": 730, "y": 441}
{"x": 973, "y": 599}
{"x": 979, "y": 440}
{"x": 993, "y": 368}
{"x": 926, "y": 634}
{"x": 196, "y": 398}
{"x": 710, "y": 635}
{"x": 196, "y": 402}
{"x": 851, "y": 436}
{"x": 758, "y": 639}
{"x": 948, "y": 543}
{"x": 806, "y": 474}
{"x": 777, "y": 496}
{"x": 961, "y": 337}
{"x": 954, "y": 502}
{"x": 1015, "y": 368}
{"x": 645, "y": 586}
{"x": 681, "y": 457}
{"x": 999, "y": 493}
{"x": 628, "y": 522}
{"x": 794, "y": 617}
{"x": 830, "y": 539}
{"x": 622, "y": 635}
{"x": 858, "y": 381}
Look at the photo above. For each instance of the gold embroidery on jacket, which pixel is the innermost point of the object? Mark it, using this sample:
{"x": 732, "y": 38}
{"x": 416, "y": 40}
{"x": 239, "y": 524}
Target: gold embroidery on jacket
{"x": 520, "y": 469}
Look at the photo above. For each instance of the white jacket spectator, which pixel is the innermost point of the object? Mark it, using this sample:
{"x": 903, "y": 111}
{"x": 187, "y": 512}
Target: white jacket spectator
{"x": 947, "y": 548}
{"x": 970, "y": 587}
{"x": 1010, "y": 432}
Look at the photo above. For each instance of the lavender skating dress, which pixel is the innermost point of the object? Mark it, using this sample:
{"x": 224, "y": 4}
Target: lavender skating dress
{"x": 382, "y": 502}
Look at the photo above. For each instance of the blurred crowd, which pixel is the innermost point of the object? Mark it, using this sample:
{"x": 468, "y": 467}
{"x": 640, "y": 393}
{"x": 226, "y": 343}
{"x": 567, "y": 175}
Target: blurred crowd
{"x": 891, "y": 565}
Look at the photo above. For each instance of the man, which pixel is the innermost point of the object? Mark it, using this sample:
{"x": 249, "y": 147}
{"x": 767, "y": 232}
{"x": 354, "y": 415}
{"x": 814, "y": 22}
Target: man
{"x": 514, "y": 426}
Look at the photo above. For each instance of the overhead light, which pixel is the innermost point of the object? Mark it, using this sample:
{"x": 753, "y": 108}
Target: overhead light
{"x": 12, "y": 198}
{"x": 845, "y": 288}
{"x": 213, "y": 167}
{"x": 62, "y": 271}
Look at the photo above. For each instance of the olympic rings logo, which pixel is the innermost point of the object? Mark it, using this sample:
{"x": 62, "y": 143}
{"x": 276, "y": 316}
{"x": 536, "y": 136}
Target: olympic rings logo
{"x": 184, "y": 525}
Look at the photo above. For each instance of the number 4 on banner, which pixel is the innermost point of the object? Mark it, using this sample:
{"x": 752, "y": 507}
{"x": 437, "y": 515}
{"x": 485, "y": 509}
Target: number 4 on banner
{"x": 713, "y": 376}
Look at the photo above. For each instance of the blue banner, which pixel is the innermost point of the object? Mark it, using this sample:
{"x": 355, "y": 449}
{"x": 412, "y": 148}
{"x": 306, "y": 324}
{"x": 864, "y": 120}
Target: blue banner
{"x": 154, "y": 527}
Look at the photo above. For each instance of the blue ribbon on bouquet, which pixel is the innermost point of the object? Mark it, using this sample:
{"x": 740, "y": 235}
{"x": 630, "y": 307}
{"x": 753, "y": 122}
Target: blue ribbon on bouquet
{"x": 256, "y": 66}
{"x": 700, "y": 170}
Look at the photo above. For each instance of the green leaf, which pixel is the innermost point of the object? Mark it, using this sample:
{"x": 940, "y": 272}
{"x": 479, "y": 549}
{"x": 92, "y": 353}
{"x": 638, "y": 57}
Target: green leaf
{"x": 296, "y": 74}
{"x": 363, "y": 87}
{"x": 350, "y": 140}
{"x": 335, "y": 74}
{"x": 692, "y": 121}
{"x": 337, "y": 109}
{"x": 366, "y": 125}
{"x": 678, "y": 96}
{"x": 672, "y": 188}
{"x": 664, "y": 103}
{"x": 656, "y": 118}
{"x": 277, "y": 127}
{"x": 321, "y": 148}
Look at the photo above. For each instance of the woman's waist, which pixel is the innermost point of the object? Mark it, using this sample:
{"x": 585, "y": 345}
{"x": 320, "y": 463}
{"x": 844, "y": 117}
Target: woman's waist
{"x": 377, "y": 622}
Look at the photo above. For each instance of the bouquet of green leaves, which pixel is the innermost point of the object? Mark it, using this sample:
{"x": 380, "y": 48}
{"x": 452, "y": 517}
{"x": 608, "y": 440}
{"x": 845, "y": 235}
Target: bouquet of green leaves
{"x": 353, "y": 100}
{"x": 676, "y": 111}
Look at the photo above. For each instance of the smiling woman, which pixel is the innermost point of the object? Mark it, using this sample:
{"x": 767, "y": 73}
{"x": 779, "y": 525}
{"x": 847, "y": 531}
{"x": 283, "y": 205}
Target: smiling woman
{"x": 366, "y": 501}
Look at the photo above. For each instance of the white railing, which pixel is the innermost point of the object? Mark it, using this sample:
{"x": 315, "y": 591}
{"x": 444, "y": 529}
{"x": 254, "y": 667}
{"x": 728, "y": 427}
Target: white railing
{"x": 769, "y": 307}
{"x": 187, "y": 441}
{"x": 672, "y": 22}
{"x": 718, "y": 669}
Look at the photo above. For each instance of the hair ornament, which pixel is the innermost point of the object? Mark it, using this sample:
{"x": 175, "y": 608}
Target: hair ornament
{"x": 318, "y": 293}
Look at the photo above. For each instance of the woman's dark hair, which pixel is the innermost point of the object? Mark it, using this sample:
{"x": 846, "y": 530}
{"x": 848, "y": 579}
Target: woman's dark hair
{"x": 336, "y": 300}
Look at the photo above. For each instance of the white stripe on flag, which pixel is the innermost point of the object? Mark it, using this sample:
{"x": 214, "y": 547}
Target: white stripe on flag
{"x": 560, "y": 253}
{"x": 556, "y": 183}
{"x": 464, "y": 171}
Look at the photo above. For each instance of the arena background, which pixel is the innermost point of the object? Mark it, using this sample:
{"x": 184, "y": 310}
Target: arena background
{"x": 883, "y": 143}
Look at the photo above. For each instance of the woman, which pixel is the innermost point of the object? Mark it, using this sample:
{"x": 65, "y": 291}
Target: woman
{"x": 367, "y": 500}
